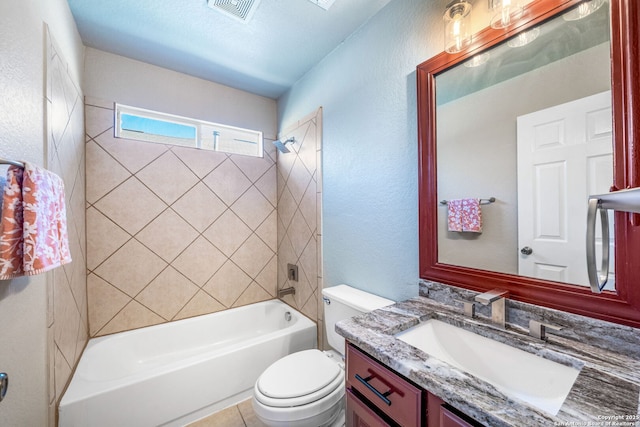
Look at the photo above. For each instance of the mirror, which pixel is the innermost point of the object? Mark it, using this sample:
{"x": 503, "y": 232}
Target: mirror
{"x": 527, "y": 122}
{"x": 482, "y": 115}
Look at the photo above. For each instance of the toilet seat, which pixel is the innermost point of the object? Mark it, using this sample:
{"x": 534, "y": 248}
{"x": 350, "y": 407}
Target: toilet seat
{"x": 299, "y": 379}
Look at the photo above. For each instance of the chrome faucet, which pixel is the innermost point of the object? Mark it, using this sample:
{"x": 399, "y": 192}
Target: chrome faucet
{"x": 539, "y": 330}
{"x": 495, "y": 297}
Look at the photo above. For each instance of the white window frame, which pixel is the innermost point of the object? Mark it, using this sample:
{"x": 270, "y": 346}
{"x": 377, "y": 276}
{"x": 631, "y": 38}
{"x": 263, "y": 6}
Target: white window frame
{"x": 230, "y": 146}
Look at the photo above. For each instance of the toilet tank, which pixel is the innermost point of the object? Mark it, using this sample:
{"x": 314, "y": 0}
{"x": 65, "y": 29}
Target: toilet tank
{"x": 342, "y": 302}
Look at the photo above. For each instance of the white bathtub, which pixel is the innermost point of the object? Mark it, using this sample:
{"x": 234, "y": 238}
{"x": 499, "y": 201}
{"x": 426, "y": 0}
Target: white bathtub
{"x": 177, "y": 372}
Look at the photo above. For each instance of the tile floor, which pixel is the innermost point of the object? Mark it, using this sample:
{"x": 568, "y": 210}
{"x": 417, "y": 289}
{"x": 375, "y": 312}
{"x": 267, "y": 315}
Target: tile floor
{"x": 241, "y": 415}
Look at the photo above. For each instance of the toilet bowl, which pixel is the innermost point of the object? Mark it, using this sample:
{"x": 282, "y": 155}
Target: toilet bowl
{"x": 306, "y": 389}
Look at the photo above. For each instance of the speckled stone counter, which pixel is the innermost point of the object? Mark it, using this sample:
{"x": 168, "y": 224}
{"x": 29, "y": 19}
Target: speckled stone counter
{"x": 606, "y": 392}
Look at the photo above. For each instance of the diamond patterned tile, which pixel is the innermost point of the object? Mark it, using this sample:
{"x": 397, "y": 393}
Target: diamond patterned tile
{"x": 298, "y": 180}
{"x": 131, "y": 205}
{"x": 133, "y": 316}
{"x": 168, "y": 293}
{"x": 105, "y": 301}
{"x": 227, "y": 181}
{"x": 252, "y": 167}
{"x": 253, "y": 293}
{"x": 200, "y": 207}
{"x": 133, "y": 155}
{"x": 252, "y": 208}
{"x": 268, "y": 277}
{"x": 66, "y": 317}
{"x": 286, "y": 208}
{"x": 131, "y": 268}
{"x": 199, "y": 261}
{"x": 252, "y": 256}
{"x": 201, "y": 162}
{"x": 103, "y": 238}
{"x": 227, "y": 284}
{"x": 309, "y": 262}
{"x": 201, "y": 303}
{"x": 308, "y": 148}
{"x": 268, "y": 230}
{"x": 105, "y": 173}
{"x": 308, "y": 206}
{"x": 268, "y": 186}
{"x": 98, "y": 120}
{"x": 299, "y": 233}
{"x": 219, "y": 234}
{"x": 168, "y": 177}
{"x": 167, "y": 235}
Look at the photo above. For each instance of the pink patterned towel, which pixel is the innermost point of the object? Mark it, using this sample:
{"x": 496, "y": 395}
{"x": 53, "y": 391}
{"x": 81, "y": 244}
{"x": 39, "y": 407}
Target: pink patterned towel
{"x": 33, "y": 226}
{"x": 464, "y": 215}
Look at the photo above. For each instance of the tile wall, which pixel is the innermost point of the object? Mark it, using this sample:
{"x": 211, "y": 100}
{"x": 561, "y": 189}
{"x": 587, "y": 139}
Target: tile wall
{"x": 174, "y": 232}
{"x": 300, "y": 216}
{"x": 67, "y": 321}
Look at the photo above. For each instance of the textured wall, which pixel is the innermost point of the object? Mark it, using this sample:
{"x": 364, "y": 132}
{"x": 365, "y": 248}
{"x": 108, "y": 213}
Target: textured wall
{"x": 174, "y": 232}
{"x": 300, "y": 215}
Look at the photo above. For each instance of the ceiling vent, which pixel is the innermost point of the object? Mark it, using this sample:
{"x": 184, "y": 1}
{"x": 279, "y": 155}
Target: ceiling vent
{"x": 241, "y": 10}
{"x": 325, "y": 4}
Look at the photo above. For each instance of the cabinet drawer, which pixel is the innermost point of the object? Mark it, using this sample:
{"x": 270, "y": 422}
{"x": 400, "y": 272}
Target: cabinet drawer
{"x": 360, "y": 415}
{"x": 393, "y": 395}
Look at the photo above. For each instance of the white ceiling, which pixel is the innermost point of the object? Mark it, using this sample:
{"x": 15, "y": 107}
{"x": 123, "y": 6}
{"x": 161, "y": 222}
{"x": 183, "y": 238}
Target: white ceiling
{"x": 266, "y": 56}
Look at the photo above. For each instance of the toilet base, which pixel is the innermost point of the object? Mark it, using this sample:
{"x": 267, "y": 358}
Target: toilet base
{"x": 331, "y": 417}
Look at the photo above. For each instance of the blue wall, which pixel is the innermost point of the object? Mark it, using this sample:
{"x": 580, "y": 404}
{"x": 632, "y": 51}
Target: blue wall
{"x": 370, "y": 166}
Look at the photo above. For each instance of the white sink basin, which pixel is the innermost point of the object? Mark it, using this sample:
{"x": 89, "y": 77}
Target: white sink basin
{"x": 540, "y": 382}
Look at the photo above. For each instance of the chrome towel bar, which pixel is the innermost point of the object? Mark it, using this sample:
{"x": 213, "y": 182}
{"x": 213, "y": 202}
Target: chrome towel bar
{"x": 11, "y": 162}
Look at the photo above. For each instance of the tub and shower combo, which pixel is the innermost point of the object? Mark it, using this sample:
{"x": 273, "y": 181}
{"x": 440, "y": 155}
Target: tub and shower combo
{"x": 175, "y": 373}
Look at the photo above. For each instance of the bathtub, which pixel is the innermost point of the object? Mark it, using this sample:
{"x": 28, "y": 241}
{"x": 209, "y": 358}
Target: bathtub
{"x": 177, "y": 372}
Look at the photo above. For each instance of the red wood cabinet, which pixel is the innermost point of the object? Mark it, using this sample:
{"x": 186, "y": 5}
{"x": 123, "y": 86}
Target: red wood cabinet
{"x": 379, "y": 397}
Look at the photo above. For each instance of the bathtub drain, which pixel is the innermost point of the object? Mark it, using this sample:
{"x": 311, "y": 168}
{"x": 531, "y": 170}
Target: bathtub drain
{"x": 287, "y": 316}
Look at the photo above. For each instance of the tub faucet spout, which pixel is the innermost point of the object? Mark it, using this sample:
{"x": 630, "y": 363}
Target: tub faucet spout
{"x": 286, "y": 291}
{"x": 495, "y": 297}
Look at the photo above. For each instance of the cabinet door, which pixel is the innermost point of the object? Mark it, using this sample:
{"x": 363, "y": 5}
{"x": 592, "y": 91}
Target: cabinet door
{"x": 449, "y": 419}
{"x": 360, "y": 415}
{"x": 439, "y": 414}
{"x": 392, "y": 394}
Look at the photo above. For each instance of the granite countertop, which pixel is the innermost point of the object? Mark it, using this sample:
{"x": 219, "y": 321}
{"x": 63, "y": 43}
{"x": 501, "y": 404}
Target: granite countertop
{"x": 606, "y": 392}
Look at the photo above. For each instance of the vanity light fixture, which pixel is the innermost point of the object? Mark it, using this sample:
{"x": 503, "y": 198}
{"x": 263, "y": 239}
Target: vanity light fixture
{"x": 585, "y": 9}
{"x": 524, "y": 38}
{"x": 457, "y": 31}
{"x": 506, "y": 12}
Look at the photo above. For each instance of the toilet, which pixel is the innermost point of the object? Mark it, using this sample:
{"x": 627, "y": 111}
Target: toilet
{"x": 306, "y": 389}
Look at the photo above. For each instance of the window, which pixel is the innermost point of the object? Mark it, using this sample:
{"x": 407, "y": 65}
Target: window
{"x": 152, "y": 126}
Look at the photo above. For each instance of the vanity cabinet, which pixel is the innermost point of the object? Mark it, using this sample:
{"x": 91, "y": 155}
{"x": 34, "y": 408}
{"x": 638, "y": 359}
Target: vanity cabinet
{"x": 379, "y": 397}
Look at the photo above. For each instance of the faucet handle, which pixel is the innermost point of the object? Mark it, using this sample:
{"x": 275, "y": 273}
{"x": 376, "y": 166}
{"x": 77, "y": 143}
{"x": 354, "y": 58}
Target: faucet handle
{"x": 469, "y": 307}
{"x": 539, "y": 329}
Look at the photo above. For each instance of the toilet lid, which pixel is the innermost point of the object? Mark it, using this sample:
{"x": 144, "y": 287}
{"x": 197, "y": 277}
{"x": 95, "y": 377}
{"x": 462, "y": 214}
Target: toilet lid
{"x": 300, "y": 378}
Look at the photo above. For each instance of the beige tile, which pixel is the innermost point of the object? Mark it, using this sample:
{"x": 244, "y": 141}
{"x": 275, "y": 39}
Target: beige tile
{"x": 268, "y": 277}
{"x": 308, "y": 206}
{"x": 105, "y": 301}
{"x": 298, "y": 180}
{"x": 252, "y": 167}
{"x": 199, "y": 261}
{"x": 310, "y": 308}
{"x": 66, "y": 317}
{"x": 105, "y": 173}
{"x": 299, "y": 233}
{"x": 253, "y": 293}
{"x": 268, "y": 230}
{"x": 228, "y": 182}
{"x": 167, "y": 235}
{"x": 131, "y": 205}
{"x": 62, "y": 372}
{"x": 308, "y": 149}
{"x": 131, "y": 268}
{"x": 167, "y": 177}
{"x": 199, "y": 206}
{"x": 252, "y": 256}
{"x": 201, "y": 303}
{"x": 201, "y": 162}
{"x": 133, "y": 316}
{"x": 229, "y": 417}
{"x": 133, "y": 155}
{"x": 286, "y": 207}
{"x": 97, "y": 102}
{"x": 227, "y": 284}
{"x": 104, "y": 237}
{"x": 219, "y": 234}
{"x": 309, "y": 262}
{"x": 168, "y": 293}
{"x": 268, "y": 186}
{"x": 248, "y": 414}
{"x": 252, "y": 207}
{"x": 98, "y": 120}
